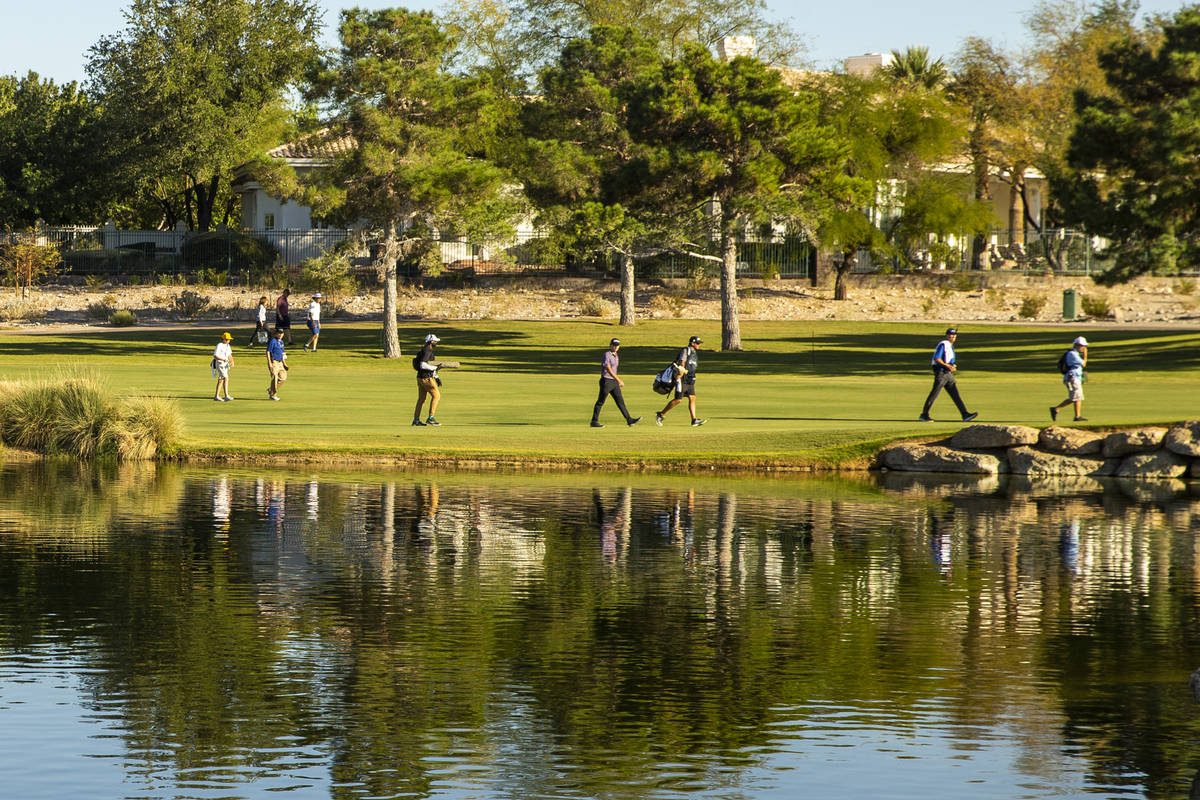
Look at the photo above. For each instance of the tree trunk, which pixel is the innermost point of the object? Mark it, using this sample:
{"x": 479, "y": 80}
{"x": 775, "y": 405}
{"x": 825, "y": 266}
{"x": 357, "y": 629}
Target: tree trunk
{"x": 979, "y": 171}
{"x": 387, "y": 268}
{"x": 206, "y": 197}
{"x": 731, "y": 334}
{"x": 849, "y": 259}
{"x": 1051, "y": 256}
{"x": 628, "y": 313}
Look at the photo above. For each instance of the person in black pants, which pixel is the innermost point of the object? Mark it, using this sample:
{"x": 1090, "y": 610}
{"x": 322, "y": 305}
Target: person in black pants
{"x": 610, "y": 383}
{"x": 944, "y": 367}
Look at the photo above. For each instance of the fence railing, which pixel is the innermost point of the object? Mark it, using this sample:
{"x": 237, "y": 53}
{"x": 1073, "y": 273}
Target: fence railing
{"x": 233, "y": 255}
{"x": 1064, "y": 251}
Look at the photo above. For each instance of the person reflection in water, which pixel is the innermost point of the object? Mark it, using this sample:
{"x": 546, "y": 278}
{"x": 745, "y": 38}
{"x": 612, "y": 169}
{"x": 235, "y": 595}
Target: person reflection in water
{"x": 609, "y": 521}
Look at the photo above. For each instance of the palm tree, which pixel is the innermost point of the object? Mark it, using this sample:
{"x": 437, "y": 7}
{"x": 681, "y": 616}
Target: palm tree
{"x": 914, "y": 65}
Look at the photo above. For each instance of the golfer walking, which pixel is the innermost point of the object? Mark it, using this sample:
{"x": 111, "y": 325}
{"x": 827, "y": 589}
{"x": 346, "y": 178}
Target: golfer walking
{"x": 260, "y": 321}
{"x": 314, "y": 322}
{"x": 944, "y": 366}
{"x": 687, "y": 361}
{"x": 1074, "y": 360}
{"x": 222, "y": 360}
{"x": 428, "y": 382}
{"x": 611, "y": 383}
{"x": 276, "y": 364}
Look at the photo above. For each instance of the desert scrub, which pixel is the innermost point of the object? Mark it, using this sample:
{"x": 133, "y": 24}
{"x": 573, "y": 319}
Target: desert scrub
{"x": 593, "y": 305}
{"x": 78, "y": 416}
{"x": 1185, "y": 286}
{"x": 190, "y": 304}
{"x": 995, "y": 299}
{"x": 122, "y": 318}
{"x": 100, "y": 310}
{"x": 1095, "y": 306}
{"x": 20, "y": 310}
{"x": 1031, "y": 306}
{"x": 671, "y": 303}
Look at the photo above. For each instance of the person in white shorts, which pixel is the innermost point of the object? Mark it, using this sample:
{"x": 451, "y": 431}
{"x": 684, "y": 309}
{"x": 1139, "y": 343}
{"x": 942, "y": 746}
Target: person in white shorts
{"x": 222, "y": 360}
{"x": 314, "y": 322}
{"x": 1075, "y": 361}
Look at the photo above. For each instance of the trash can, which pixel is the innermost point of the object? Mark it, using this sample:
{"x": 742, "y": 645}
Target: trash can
{"x": 1070, "y": 303}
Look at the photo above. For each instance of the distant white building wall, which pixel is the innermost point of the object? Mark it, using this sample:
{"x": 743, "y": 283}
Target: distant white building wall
{"x": 867, "y": 64}
{"x": 730, "y": 47}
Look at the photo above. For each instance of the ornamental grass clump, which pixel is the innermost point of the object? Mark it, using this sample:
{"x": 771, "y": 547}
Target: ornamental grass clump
{"x": 79, "y": 416}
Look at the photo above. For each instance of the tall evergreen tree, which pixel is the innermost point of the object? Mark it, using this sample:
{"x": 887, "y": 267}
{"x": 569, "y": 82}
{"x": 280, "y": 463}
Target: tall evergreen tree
{"x": 732, "y": 134}
{"x": 581, "y": 152}
{"x": 1133, "y": 175}
{"x": 415, "y": 139}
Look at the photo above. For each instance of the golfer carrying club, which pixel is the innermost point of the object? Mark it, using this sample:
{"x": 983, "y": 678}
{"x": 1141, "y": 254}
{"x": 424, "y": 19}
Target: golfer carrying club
{"x": 687, "y": 361}
{"x": 611, "y": 383}
{"x": 944, "y": 367}
{"x": 428, "y": 383}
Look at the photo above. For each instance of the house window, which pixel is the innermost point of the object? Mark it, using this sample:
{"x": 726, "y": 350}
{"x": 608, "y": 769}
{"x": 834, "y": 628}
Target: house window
{"x": 269, "y": 221}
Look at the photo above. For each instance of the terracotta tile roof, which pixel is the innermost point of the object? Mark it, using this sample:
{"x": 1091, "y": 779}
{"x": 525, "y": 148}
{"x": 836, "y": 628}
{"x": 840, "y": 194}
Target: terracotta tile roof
{"x": 322, "y": 144}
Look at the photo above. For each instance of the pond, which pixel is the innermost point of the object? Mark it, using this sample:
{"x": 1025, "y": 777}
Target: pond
{"x": 177, "y": 632}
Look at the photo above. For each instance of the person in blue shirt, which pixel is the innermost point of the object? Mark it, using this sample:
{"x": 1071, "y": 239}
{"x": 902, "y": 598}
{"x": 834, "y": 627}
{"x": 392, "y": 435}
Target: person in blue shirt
{"x": 1076, "y": 360}
{"x": 276, "y": 363}
{"x": 944, "y": 366}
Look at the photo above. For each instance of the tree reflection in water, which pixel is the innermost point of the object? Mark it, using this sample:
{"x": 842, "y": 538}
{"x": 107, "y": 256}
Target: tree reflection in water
{"x": 566, "y": 636}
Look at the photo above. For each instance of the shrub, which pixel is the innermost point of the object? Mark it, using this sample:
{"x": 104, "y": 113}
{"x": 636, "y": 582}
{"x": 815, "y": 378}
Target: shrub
{"x": 18, "y": 310}
{"x": 189, "y": 304}
{"x": 1032, "y": 305}
{"x": 228, "y": 250}
{"x": 670, "y": 302}
{"x": 79, "y": 416}
{"x": 1095, "y": 306}
{"x": 328, "y": 273}
{"x": 963, "y": 282}
{"x": 995, "y": 298}
{"x": 1185, "y": 286}
{"x": 100, "y": 310}
{"x": 122, "y": 318}
{"x": 593, "y": 305}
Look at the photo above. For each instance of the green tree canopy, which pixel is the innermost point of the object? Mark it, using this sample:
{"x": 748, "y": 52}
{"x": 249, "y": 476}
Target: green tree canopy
{"x": 50, "y": 141}
{"x": 416, "y": 138}
{"x": 581, "y": 152}
{"x": 732, "y": 132}
{"x": 191, "y": 89}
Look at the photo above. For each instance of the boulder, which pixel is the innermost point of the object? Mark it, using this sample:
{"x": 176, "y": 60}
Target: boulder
{"x": 1157, "y": 464}
{"x": 1184, "y": 438}
{"x": 1070, "y": 441}
{"x": 1138, "y": 440}
{"x": 987, "y": 437}
{"x": 925, "y": 458}
{"x": 1027, "y": 461}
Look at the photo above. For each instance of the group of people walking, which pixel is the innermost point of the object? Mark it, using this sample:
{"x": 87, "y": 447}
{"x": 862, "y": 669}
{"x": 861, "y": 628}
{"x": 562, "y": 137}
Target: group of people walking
{"x": 678, "y": 380}
{"x": 684, "y": 374}
{"x": 944, "y": 364}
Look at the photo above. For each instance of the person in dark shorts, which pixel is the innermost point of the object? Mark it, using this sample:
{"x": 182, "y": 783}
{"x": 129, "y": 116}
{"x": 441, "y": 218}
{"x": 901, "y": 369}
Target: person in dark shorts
{"x": 428, "y": 383}
{"x": 283, "y": 321}
{"x": 686, "y": 364}
{"x": 611, "y": 383}
{"x": 944, "y": 366}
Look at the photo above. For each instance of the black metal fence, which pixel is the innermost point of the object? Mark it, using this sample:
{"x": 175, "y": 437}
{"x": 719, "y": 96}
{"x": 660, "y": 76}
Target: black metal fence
{"x": 1064, "y": 251}
{"x": 234, "y": 255}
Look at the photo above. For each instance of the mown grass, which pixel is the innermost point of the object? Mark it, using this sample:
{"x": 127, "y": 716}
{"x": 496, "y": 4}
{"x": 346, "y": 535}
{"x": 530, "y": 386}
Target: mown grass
{"x": 817, "y": 394}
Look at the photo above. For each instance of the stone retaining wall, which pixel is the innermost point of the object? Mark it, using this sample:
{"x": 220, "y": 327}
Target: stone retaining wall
{"x": 1149, "y": 453}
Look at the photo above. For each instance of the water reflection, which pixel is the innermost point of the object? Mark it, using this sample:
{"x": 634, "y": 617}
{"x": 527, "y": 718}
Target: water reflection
{"x": 176, "y": 632}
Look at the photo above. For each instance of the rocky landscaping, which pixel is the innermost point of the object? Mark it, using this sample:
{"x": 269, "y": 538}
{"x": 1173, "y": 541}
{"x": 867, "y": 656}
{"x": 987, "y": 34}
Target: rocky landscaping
{"x": 947, "y": 297}
{"x": 1148, "y": 453}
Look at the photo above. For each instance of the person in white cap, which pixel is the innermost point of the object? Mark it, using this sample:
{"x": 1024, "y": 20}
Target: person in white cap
{"x": 1072, "y": 365}
{"x": 428, "y": 382}
{"x": 314, "y": 322}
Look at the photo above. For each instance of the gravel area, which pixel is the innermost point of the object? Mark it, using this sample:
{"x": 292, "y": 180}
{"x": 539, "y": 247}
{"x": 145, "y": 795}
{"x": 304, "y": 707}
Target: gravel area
{"x": 992, "y": 297}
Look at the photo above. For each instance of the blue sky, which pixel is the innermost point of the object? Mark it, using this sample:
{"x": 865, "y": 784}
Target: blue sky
{"x": 51, "y": 37}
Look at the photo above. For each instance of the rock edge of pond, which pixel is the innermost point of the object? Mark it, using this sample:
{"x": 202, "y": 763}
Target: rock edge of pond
{"x": 1144, "y": 453}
